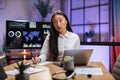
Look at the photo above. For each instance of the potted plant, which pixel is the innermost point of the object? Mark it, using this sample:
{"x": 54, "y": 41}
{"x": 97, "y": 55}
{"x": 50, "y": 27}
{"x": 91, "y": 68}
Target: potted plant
{"x": 68, "y": 65}
{"x": 44, "y": 7}
{"x": 91, "y": 31}
{"x": 21, "y": 67}
{"x": 68, "y": 58}
{"x": 89, "y": 35}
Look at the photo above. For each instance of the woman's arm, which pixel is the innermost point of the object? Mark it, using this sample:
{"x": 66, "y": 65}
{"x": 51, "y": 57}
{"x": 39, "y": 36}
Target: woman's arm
{"x": 45, "y": 49}
{"x": 77, "y": 42}
{"x": 43, "y": 53}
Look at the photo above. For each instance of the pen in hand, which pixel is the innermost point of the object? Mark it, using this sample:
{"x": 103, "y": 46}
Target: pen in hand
{"x": 34, "y": 58}
{"x": 32, "y": 55}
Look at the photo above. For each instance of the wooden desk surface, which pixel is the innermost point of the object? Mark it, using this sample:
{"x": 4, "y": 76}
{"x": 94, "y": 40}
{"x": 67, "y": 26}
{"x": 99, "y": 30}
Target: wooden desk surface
{"x": 50, "y": 69}
{"x": 44, "y": 75}
{"x": 107, "y": 75}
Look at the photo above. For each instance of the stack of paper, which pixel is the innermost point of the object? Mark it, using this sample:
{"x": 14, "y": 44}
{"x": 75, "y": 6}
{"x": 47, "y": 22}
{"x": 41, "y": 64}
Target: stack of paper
{"x": 92, "y": 71}
{"x": 29, "y": 70}
{"x": 44, "y": 63}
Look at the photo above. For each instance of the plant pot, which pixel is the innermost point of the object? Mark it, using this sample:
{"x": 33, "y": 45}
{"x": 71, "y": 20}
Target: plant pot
{"x": 69, "y": 67}
{"x": 89, "y": 39}
{"x": 22, "y": 77}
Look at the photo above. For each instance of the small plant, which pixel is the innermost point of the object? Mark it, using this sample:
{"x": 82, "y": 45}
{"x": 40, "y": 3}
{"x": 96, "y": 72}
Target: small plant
{"x": 44, "y": 7}
{"x": 68, "y": 58}
{"x": 22, "y": 66}
{"x": 89, "y": 34}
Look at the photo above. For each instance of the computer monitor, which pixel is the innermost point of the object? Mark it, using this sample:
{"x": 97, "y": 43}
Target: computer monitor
{"x": 22, "y": 34}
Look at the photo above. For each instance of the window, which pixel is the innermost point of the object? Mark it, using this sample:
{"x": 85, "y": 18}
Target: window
{"x": 90, "y": 19}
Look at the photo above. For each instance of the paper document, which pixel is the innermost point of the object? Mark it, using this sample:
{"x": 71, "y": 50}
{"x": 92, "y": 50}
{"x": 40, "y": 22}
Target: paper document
{"x": 92, "y": 71}
{"x": 27, "y": 71}
{"x": 1, "y": 57}
{"x": 44, "y": 63}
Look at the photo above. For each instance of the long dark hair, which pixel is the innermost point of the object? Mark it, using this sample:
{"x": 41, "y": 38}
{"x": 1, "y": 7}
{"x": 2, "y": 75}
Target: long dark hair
{"x": 53, "y": 39}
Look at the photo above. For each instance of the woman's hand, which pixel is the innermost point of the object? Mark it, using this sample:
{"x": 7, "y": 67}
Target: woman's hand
{"x": 36, "y": 60}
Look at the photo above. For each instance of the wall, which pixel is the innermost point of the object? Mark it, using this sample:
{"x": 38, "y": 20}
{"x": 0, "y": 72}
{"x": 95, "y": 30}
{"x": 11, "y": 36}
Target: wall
{"x": 21, "y": 10}
{"x": 15, "y": 9}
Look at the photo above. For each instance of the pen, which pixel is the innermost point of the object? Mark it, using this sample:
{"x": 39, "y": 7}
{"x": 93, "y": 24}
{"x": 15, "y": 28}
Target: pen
{"x": 32, "y": 55}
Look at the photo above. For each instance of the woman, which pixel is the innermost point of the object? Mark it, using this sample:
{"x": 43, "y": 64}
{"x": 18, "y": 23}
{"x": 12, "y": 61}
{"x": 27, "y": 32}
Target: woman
{"x": 60, "y": 38}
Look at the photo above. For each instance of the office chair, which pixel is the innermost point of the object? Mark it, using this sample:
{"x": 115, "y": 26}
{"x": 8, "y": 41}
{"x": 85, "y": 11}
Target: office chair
{"x": 116, "y": 69}
{"x": 3, "y": 75}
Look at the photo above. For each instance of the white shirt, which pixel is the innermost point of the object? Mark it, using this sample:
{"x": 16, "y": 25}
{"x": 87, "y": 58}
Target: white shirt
{"x": 67, "y": 42}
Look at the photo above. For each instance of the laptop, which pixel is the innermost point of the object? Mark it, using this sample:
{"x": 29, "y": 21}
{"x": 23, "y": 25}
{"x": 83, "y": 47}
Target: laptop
{"x": 81, "y": 57}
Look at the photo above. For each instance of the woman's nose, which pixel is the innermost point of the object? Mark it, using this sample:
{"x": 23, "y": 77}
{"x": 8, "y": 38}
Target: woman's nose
{"x": 58, "y": 23}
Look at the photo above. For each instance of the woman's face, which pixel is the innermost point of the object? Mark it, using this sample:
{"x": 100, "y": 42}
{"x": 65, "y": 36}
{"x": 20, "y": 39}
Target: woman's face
{"x": 60, "y": 24}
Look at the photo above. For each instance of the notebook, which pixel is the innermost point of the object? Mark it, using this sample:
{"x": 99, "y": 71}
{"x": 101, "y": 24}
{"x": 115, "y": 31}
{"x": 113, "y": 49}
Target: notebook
{"x": 81, "y": 57}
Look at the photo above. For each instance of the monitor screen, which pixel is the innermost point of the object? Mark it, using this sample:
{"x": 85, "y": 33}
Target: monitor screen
{"x": 26, "y": 34}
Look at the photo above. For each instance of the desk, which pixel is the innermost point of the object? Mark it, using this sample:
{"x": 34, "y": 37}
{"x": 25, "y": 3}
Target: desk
{"x": 44, "y": 75}
{"x": 50, "y": 69}
{"x": 107, "y": 75}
